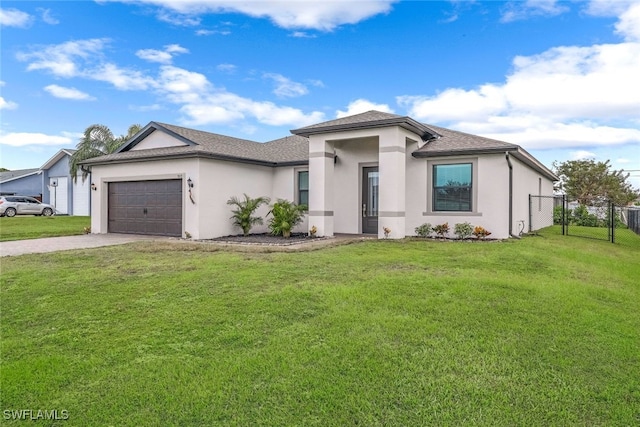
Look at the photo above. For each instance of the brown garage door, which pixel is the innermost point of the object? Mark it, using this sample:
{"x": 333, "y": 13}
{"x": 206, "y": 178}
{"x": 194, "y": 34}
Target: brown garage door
{"x": 146, "y": 207}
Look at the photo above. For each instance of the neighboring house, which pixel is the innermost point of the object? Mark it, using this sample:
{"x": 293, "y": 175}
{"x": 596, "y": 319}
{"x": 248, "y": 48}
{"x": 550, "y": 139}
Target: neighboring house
{"x": 358, "y": 174}
{"x": 52, "y": 184}
{"x": 23, "y": 182}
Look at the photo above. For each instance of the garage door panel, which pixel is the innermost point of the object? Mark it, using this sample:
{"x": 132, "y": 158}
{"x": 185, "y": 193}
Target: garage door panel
{"x": 146, "y": 207}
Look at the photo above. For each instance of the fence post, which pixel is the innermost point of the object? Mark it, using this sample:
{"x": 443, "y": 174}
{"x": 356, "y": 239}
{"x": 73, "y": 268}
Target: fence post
{"x": 564, "y": 218}
{"x": 530, "y": 214}
{"x": 612, "y": 215}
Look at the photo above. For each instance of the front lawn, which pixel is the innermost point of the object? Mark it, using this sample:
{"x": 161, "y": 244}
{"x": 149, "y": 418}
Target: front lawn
{"x": 35, "y": 227}
{"x": 542, "y": 331}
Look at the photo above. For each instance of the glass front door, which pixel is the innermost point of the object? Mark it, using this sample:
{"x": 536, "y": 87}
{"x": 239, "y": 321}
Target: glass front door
{"x": 370, "y": 199}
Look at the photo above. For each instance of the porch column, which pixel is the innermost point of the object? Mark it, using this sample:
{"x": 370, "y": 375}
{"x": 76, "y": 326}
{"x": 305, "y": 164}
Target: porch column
{"x": 392, "y": 164}
{"x": 321, "y": 162}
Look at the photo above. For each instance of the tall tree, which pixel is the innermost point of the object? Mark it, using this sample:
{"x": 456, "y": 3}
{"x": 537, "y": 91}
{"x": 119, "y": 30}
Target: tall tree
{"x": 588, "y": 181}
{"x": 97, "y": 140}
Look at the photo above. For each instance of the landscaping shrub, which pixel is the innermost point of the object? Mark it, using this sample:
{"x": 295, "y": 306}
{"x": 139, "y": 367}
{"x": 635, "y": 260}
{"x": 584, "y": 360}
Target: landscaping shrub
{"x": 463, "y": 230}
{"x": 285, "y": 215}
{"x": 481, "y": 232}
{"x": 243, "y": 213}
{"x": 424, "y": 230}
{"x": 442, "y": 230}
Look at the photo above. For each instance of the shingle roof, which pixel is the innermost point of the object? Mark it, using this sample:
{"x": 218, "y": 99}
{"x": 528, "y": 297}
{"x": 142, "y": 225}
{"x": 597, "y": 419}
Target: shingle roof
{"x": 455, "y": 142}
{"x": 295, "y": 149}
{"x": 291, "y": 149}
{"x": 11, "y": 175}
{"x": 368, "y": 120}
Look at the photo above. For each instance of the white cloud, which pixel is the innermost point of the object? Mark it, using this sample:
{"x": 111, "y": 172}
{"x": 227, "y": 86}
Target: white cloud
{"x": 15, "y": 18}
{"x": 197, "y": 98}
{"x": 203, "y": 103}
{"x": 303, "y": 35}
{"x": 623, "y": 161}
{"x": 121, "y": 78}
{"x": 153, "y": 55}
{"x": 629, "y": 24}
{"x": 285, "y": 87}
{"x": 47, "y": 17}
{"x": 68, "y": 93}
{"x": 519, "y": 10}
{"x": 21, "y": 139}
{"x": 146, "y": 108}
{"x": 60, "y": 59}
{"x": 582, "y": 155}
{"x": 568, "y": 96}
{"x": 324, "y": 16}
{"x": 362, "y": 106}
{"x": 227, "y": 68}
{"x": 7, "y": 105}
{"x": 162, "y": 56}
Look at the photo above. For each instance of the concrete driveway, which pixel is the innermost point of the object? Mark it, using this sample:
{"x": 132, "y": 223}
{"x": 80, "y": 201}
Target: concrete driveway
{"x": 53, "y": 244}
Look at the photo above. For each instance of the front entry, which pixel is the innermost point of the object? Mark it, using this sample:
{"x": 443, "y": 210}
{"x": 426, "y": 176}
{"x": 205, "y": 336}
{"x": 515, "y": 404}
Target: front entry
{"x": 370, "y": 180}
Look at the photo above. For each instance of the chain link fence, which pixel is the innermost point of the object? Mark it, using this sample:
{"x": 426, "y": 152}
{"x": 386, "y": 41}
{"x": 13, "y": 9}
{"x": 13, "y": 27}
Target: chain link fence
{"x": 599, "y": 219}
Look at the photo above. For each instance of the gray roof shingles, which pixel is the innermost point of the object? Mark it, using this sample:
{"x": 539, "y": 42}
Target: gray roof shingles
{"x": 9, "y": 175}
{"x": 294, "y": 149}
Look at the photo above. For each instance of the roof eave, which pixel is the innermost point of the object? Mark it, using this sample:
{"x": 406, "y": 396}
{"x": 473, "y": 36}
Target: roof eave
{"x": 201, "y": 155}
{"x": 38, "y": 172}
{"x": 404, "y": 122}
{"x": 517, "y": 152}
{"x": 470, "y": 151}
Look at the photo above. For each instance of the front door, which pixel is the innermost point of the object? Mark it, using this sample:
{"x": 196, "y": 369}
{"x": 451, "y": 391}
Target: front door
{"x": 370, "y": 180}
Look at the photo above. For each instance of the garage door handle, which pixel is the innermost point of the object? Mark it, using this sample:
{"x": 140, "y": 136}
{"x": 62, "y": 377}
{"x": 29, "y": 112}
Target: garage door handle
{"x": 144, "y": 211}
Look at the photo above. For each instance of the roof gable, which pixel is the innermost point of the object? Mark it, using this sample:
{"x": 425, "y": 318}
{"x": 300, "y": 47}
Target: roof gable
{"x": 368, "y": 120}
{"x": 57, "y": 157}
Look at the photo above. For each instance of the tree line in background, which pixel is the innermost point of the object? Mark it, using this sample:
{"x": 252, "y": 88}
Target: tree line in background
{"x": 591, "y": 183}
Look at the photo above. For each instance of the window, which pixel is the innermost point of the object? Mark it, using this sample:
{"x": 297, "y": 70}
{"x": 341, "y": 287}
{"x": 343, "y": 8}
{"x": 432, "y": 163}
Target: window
{"x": 452, "y": 187}
{"x": 303, "y": 188}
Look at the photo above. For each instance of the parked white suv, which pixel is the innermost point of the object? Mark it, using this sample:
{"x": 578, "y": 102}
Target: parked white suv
{"x": 22, "y": 205}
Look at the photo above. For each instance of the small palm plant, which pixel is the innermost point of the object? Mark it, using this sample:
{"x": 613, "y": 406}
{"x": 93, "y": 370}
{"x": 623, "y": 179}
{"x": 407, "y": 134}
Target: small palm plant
{"x": 285, "y": 215}
{"x": 243, "y": 213}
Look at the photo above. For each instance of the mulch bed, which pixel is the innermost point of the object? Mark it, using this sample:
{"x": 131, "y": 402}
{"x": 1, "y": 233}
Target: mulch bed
{"x": 267, "y": 239}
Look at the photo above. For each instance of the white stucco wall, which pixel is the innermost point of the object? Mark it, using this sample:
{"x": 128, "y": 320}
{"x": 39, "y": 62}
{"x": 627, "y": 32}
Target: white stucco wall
{"x": 214, "y": 182}
{"x": 220, "y": 180}
{"x": 81, "y": 196}
{"x": 284, "y": 186}
{"x": 101, "y": 175}
{"x": 490, "y": 200}
{"x": 527, "y": 181}
{"x": 353, "y": 155}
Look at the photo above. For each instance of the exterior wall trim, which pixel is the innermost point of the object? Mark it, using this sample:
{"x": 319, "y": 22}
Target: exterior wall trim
{"x": 394, "y": 149}
{"x": 391, "y": 214}
{"x": 320, "y": 213}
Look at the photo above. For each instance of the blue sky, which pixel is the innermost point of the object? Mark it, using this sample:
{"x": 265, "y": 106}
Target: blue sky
{"x": 558, "y": 78}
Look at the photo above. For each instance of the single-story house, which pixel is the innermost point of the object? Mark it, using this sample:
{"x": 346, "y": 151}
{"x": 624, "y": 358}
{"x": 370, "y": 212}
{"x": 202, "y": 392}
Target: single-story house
{"x": 51, "y": 183}
{"x": 358, "y": 174}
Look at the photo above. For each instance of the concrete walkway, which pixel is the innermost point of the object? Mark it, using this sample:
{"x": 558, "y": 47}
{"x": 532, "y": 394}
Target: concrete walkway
{"x": 53, "y": 244}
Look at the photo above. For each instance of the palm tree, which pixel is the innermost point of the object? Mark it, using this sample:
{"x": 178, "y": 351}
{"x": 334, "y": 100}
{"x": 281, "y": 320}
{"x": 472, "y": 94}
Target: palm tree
{"x": 243, "y": 213}
{"x": 97, "y": 141}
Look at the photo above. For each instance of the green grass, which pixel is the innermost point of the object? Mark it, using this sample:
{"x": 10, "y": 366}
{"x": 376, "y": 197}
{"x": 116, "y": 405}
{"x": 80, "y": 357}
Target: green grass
{"x": 34, "y": 227}
{"x": 541, "y": 331}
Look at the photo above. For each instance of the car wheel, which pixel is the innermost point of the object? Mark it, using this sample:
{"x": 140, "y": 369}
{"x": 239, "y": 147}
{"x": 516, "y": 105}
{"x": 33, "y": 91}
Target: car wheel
{"x": 10, "y": 212}
{"x": 47, "y": 212}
